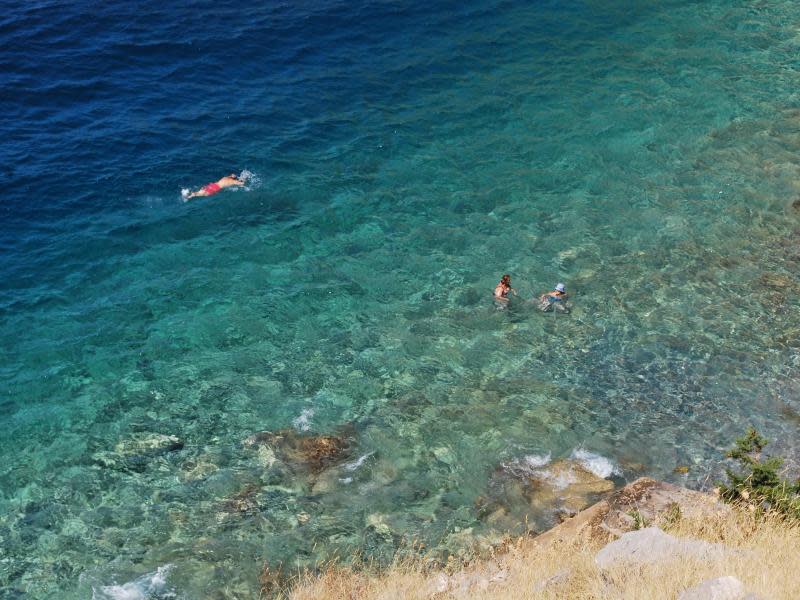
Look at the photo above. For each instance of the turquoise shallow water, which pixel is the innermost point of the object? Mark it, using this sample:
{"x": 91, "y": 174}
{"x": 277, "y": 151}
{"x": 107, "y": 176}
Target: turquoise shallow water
{"x": 646, "y": 156}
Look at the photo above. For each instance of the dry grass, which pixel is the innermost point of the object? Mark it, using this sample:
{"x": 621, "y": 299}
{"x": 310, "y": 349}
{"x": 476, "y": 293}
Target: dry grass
{"x": 768, "y": 563}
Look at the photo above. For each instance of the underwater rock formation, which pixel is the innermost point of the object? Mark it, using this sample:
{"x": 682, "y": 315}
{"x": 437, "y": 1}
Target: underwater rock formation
{"x": 567, "y": 484}
{"x": 303, "y": 453}
{"x": 134, "y": 453}
{"x": 564, "y": 486}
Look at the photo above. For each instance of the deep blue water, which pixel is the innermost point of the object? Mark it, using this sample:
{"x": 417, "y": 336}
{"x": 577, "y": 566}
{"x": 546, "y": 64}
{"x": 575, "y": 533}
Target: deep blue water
{"x": 404, "y": 156}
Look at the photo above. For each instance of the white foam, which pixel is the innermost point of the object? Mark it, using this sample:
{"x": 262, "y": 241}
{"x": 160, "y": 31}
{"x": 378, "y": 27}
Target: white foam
{"x": 251, "y": 180}
{"x": 536, "y": 461}
{"x": 535, "y": 465}
{"x": 352, "y": 466}
{"x": 595, "y": 463}
{"x": 561, "y": 480}
{"x": 303, "y": 422}
{"x": 528, "y": 466}
{"x": 144, "y": 587}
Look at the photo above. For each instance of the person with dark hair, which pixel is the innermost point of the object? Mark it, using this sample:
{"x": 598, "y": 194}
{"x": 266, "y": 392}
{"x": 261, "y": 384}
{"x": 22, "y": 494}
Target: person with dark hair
{"x": 212, "y": 188}
{"x": 503, "y": 288}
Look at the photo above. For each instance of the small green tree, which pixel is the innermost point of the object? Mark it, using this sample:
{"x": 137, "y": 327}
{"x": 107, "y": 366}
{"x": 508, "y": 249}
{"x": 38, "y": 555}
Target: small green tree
{"x": 759, "y": 484}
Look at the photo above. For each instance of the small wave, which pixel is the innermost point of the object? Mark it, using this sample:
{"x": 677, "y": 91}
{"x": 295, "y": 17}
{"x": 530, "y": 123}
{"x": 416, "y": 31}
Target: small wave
{"x": 535, "y": 461}
{"x": 251, "y": 180}
{"x": 528, "y": 466}
{"x": 303, "y": 422}
{"x": 352, "y": 466}
{"x": 595, "y": 463}
{"x": 535, "y": 465}
{"x": 151, "y": 586}
{"x": 559, "y": 480}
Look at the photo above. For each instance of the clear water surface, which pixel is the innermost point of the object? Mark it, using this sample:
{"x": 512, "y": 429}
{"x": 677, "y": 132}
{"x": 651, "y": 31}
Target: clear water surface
{"x": 405, "y": 155}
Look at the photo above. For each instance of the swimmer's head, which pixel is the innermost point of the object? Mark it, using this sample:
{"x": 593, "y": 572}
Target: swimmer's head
{"x": 560, "y": 287}
{"x": 506, "y": 279}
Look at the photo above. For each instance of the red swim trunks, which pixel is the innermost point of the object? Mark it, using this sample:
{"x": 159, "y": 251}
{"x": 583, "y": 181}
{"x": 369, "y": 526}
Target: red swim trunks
{"x": 211, "y": 189}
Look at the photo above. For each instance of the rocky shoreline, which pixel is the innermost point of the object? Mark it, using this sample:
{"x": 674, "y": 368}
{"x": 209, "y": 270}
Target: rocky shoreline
{"x": 641, "y": 502}
{"x": 626, "y": 524}
{"x": 648, "y": 539}
{"x": 621, "y": 524}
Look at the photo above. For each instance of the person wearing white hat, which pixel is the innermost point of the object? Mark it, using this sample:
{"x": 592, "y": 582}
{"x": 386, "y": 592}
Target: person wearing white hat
{"x": 559, "y": 294}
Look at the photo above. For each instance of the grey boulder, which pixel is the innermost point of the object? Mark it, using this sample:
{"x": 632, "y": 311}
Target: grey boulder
{"x": 721, "y": 588}
{"x": 651, "y": 546}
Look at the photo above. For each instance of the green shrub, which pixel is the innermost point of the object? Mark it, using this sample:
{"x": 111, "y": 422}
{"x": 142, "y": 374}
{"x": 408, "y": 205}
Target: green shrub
{"x": 639, "y": 522}
{"x": 672, "y": 515}
{"x": 759, "y": 483}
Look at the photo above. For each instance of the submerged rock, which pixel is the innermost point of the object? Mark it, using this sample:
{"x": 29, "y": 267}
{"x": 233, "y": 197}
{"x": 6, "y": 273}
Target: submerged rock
{"x": 445, "y": 455}
{"x": 776, "y": 281}
{"x": 326, "y": 481}
{"x": 198, "y": 471}
{"x": 300, "y": 451}
{"x": 243, "y": 502}
{"x": 199, "y": 467}
{"x": 266, "y": 456}
{"x": 566, "y": 486}
{"x": 277, "y": 503}
{"x": 148, "y": 444}
{"x": 377, "y": 523}
{"x": 137, "y": 451}
{"x": 466, "y": 544}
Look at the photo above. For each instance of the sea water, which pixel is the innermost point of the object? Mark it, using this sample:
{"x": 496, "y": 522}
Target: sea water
{"x": 404, "y": 157}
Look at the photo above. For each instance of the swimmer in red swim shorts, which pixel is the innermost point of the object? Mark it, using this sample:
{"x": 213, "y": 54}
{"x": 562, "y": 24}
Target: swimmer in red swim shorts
{"x": 212, "y": 188}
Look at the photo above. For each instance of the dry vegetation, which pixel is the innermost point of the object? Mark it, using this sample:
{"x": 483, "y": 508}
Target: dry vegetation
{"x": 768, "y": 562}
